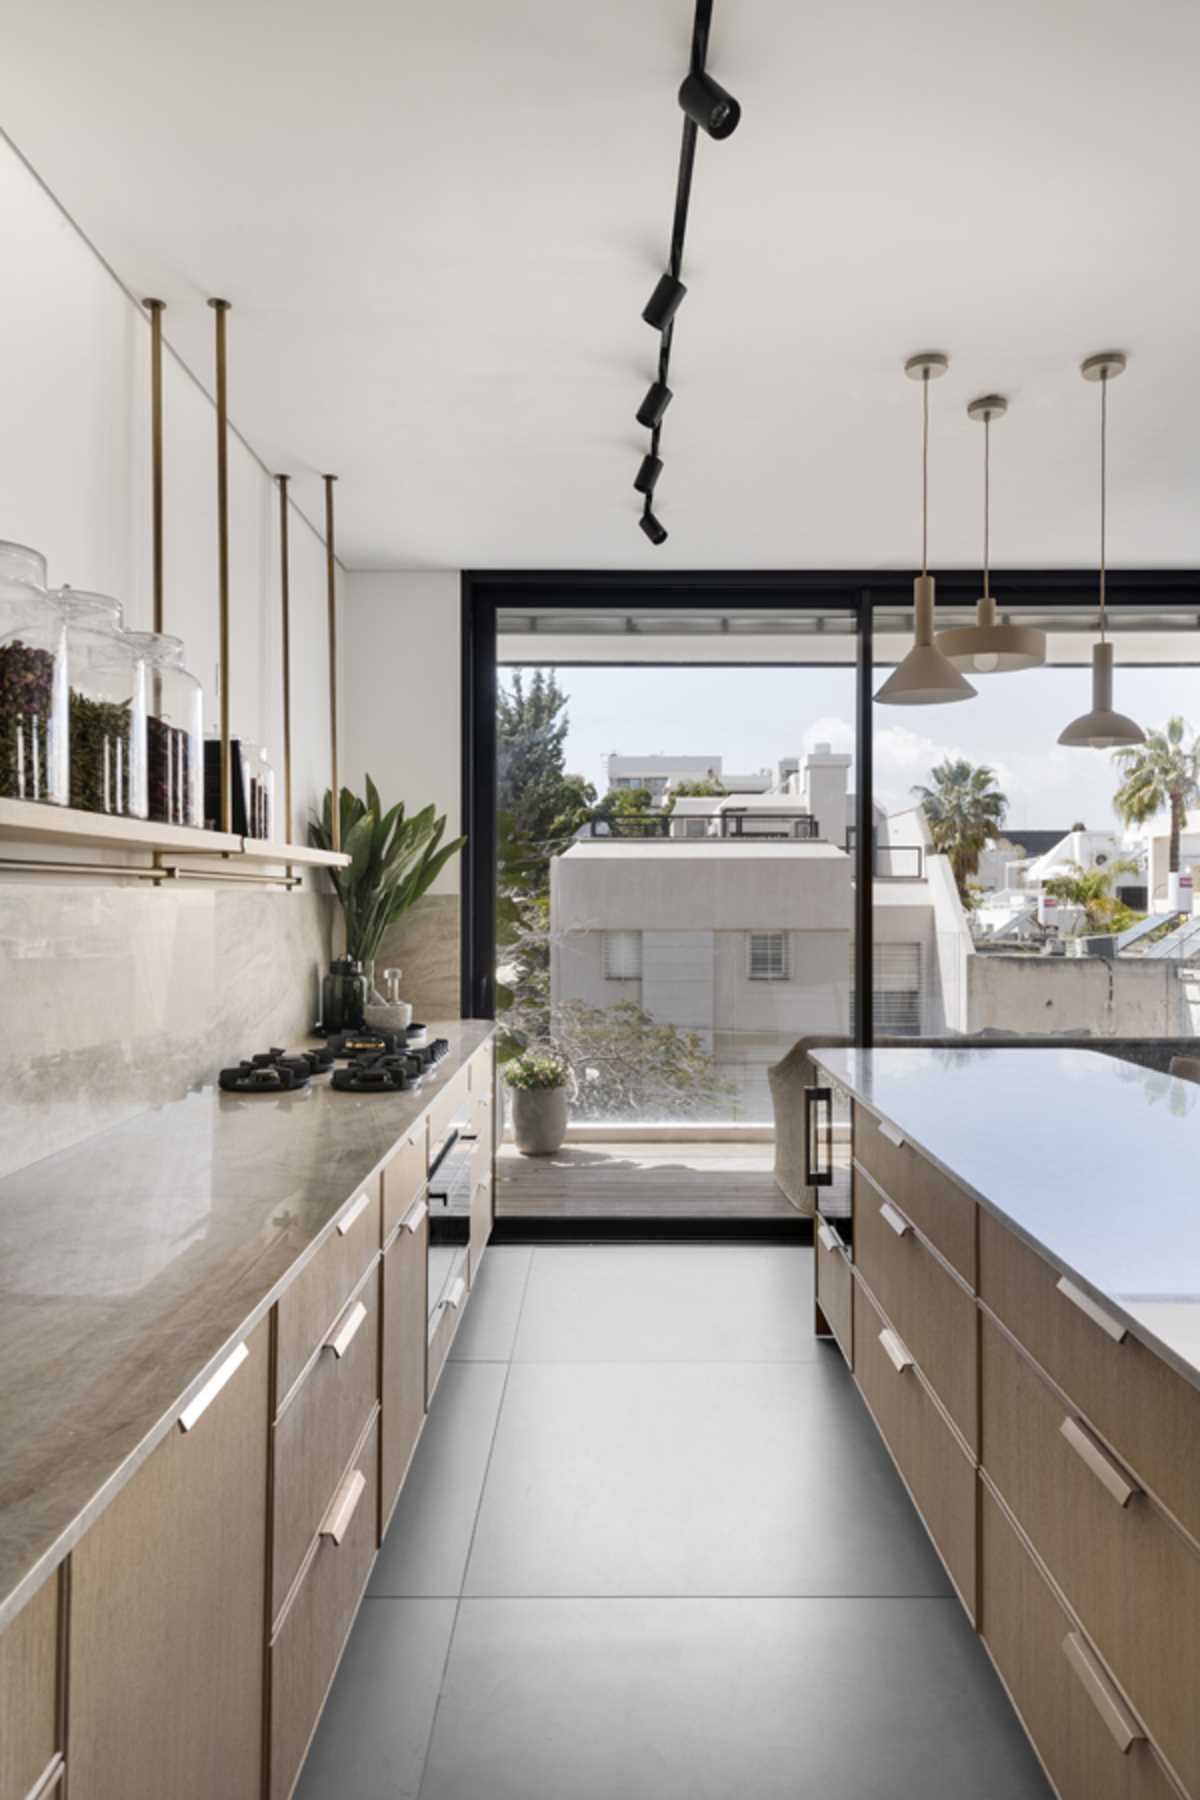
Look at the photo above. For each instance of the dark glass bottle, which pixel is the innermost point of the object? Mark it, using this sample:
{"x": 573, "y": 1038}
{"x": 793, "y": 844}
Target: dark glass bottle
{"x": 343, "y": 995}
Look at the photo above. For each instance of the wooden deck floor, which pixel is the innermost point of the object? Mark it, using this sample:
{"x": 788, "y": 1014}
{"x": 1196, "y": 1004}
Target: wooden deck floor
{"x": 641, "y": 1181}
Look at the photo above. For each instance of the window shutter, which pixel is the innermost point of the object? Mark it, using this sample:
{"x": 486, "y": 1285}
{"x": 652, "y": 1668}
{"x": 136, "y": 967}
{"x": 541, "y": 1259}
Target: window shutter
{"x": 623, "y": 955}
{"x": 768, "y": 956}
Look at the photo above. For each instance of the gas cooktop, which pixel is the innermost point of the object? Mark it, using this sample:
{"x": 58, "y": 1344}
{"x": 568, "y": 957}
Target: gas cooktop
{"x": 374, "y": 1062}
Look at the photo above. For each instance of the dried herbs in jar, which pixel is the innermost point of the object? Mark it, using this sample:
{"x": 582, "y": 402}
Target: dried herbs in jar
{"x": 101, "y": 738}
{"x": 26, "y": 701}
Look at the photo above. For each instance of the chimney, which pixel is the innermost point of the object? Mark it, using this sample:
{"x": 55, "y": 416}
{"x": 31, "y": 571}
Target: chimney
{"x": 826, "y": 774}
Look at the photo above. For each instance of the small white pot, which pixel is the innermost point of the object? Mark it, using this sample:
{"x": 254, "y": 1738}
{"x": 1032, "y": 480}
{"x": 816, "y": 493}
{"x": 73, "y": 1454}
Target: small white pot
{"x": 539, "y": 1117}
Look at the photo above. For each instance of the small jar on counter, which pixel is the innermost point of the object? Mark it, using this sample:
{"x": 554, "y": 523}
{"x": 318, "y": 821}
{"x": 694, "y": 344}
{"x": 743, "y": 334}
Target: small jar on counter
{"x": 34, "y": 749}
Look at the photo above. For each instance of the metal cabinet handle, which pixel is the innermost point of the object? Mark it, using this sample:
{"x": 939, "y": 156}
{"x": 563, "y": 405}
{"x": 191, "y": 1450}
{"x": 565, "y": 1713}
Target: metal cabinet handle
{"x": 1113, "y": 1328}
{"x": 485, "y": 1180}
{"x": 891, "y": 1133}
{"x": 415, "y": 1217}
{"x": 816, "y": 1175}
{"x": 1098, "y": 1461}
{"x": 353, "y": 1213}
{"x": 201, "y": 1402}
{"x": 340, "y": 1340}
{"x": 336, "y": 1522}
{"x": 455, "y": 1297}
{"x": 1104, "y": 1697}
{"x": 828, "y": 1237}
{"x": 891, "y": 1215}
{"x": 896, "y": 1351}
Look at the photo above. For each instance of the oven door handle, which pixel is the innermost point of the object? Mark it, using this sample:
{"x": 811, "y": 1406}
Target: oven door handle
{"x": 817, "y": 1174}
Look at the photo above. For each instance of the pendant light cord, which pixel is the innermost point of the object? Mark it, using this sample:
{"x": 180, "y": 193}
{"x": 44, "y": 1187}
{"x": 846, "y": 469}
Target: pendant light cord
{"x": 987, "y": 502}
{"x": 925, "y": 472}
{"x": 1103, "y": 498}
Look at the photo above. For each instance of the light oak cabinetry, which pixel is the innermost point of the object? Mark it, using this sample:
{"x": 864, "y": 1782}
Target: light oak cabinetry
{"x": 405, "y": 1332}
{"x": 835, "y": 1286}
{"x": 314, "y": 1299}
{"x": 30, "y": 1730}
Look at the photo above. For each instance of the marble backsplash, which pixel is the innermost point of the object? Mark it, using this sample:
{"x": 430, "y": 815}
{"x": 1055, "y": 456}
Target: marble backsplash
{"x": 115, "y": 999}
{"x": 424, "y": 945}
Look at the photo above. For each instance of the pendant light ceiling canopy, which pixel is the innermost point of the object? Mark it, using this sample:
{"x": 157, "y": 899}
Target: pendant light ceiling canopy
{"x": 989, "y": 647}
{"x": 925, "y": 677}
{"x": 1102, "y": 728}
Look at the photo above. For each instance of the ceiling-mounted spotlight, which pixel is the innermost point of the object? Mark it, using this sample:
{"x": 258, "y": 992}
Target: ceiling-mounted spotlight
{"x": 924, "y": 678}
{"x": 708, "y": 105}
{"x": 655, "y": 404}
{"x": 987, "y": 647}
{"x": 648, "y": 473}
{"x": 664, "y": 302}
{"x": 654, "y": 531}
{"x": 1102, "y": 728}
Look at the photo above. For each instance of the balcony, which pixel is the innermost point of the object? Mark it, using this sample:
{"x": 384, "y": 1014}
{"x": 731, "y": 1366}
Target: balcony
{"x": 750, "y": 826}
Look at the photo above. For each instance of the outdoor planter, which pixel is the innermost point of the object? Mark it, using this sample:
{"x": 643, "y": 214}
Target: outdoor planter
{"x": 539, "y": 1118}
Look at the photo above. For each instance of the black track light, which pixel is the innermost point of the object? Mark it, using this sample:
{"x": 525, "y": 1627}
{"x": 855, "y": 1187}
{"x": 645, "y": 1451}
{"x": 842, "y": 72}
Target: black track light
{"x": 709, "y": 106}
{"x": 648, "y": 473}
{"x": 664, "y": 302}
{"x": 658, "y": 398}
{"x": 654, "y": 531}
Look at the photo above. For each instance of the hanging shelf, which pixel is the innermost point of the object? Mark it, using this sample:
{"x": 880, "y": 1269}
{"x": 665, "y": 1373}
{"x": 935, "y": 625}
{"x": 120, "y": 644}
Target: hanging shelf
{"x": 34, "y": 823}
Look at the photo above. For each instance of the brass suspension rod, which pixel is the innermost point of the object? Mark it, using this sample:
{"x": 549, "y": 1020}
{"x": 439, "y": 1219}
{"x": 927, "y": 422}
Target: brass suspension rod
{"x": 286, "y": 652}
{"x": 335, "y": 809}
{"x": 156, "y": 309}
{"x": 221, "y": 308}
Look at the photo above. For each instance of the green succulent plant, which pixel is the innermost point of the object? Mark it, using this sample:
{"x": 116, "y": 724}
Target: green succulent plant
{"x": 394, "y": 859}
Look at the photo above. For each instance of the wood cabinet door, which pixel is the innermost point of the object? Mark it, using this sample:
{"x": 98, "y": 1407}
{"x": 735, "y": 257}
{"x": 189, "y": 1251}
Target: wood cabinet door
{"x": 29, "y": 1739}
{"x": 405, "y": 1331}
{"x": 168, "y": 1633}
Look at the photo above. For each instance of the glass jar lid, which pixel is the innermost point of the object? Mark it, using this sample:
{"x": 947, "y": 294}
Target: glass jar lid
{"x": 20, "y": 564}
{"x": 158, "y": 647}
{"x": 90, "y": 612}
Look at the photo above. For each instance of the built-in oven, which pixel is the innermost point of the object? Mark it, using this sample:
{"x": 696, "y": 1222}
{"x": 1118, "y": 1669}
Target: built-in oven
{"x": 827, "y": 1153}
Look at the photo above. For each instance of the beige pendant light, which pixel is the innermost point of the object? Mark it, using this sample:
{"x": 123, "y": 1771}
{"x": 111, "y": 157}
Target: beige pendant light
{"x": 1102, "y": 728}
{"x": 989, "y": 647}
{"x": 924, "y": 678}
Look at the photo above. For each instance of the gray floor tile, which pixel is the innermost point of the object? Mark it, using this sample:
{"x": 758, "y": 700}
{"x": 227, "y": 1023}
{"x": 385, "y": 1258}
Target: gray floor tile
{"x": 425, "y": 1551}
{"x": 371, "y": 1742}
{"x": 608, "y": 1479}
{"x": 723, "y": 1700}
{"x": 490, "y": 1322}
{"x": 668, "y": 1303}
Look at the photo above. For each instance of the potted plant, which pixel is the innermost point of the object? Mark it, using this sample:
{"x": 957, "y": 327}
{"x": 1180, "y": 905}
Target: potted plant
{"x": 541, "y": 1083}
{"x": 394, "y": 859}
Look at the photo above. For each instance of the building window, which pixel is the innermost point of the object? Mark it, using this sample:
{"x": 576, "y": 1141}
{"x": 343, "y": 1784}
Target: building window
{"x": 768, "y": 956}
{"x": 897, "y": 998}
{"x": 623, "y": 955}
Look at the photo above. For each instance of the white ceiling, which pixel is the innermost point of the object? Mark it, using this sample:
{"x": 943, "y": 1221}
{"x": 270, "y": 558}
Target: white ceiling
{"x": 438, "y": 224}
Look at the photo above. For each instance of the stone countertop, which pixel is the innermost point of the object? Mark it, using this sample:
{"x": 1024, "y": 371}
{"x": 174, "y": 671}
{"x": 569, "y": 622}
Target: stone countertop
{"x": 133, "y": 1262}
{"x": 1094, "y": 1162}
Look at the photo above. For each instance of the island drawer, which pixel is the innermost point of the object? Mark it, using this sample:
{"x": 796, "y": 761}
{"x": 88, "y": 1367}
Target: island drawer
{"x": 309, "y": 1642}
{"x": 314, "y": 1300}
{"x": 835, "y": 1286}
{"x": 930, "y": 1199}
{"x": 1128, "y": 1573}
{"x": 1077, "y": 1722}
{"x": 451, "y": 1107}
{"x": 317, "y": 1431}
{"x": 404, "y": 1175}
{"x": 940, "y": 1477}
{"x": 1145, "y": 1410}
{"x": 29, "y": 1694}
{"x": 933, "y": 1312}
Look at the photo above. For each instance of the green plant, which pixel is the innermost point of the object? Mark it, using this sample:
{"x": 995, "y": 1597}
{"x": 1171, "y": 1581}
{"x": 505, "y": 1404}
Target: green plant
{"x": 537, "y": 1069}
{"x": 1162, "y": 772}
{"x": 964, "y": 808}
{"x": 1091, "y": 889}
{"x": 393, "y": 861}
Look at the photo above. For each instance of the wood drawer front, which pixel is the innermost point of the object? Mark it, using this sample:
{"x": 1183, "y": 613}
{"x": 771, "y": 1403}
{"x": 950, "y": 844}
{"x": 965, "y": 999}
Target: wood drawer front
{"x": 1128, "y": 1574}
{"x": 441, "y": 1333}
{"x": 1141, "y": 1405}
{"x": 29, "y": 1693}
{"x": 933, "y": 1313}
{"x": 404, "y": 1176}
{"x": 940, "y": 1477}
{"x": 310, "y": 1305}
{"x": 835, "y": 1287}
{"x": 481, "y": 1219}
{"x": 930, "y": 1199}
{"x": 168, "y": 1603}
{"x": 317, "y": 1431}
{"x": 310, "y": 1640}
{"x": 1025, "y": 1629}
{"x": 451, "y": 1107}
{"x": 405, "y": 1334}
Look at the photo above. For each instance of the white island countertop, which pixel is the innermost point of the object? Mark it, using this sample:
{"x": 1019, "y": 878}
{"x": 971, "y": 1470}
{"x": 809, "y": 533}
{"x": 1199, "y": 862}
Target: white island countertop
{"x": 1094, "y": 1161}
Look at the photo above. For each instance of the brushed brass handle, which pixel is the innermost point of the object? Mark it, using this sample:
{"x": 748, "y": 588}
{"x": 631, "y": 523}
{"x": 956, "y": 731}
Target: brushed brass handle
{"x": 892, "y": 1216}
{"x": 336, "y": 1522}
{"x": 1098, "y": 1461}
{"x": 455, "y": 1297}
{"x": 353, "y": 1213}
{"x": 1104, "y": 1697}
{"x": 828, "y": 1237}
{"x": 415, "y": 1217}
{"x": 896, "y": 1351}
{"x": 1091, "y": 1309}
{"x": 891, "y": 1133}
{"x": 341, "y": 1339}
{"x": 201, "y": 1402}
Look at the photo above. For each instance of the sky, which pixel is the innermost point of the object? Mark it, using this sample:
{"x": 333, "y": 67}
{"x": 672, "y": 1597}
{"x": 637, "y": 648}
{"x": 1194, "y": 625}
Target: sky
{"x": 753, "y": 717}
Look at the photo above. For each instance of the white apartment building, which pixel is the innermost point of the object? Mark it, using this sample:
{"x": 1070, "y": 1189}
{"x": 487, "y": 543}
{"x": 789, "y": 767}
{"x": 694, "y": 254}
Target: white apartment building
{"x": 657, "y": 774}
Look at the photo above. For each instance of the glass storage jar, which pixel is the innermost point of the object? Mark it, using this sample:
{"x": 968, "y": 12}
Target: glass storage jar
{"x": 33, "y": 681}
{"x": 260, "y": 790}
{"x": 106, "y": 674}
{"x": 174, "y": 732}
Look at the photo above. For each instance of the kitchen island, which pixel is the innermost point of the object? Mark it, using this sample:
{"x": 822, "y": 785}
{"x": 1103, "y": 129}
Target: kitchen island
{"x": 1016, "y": 1289}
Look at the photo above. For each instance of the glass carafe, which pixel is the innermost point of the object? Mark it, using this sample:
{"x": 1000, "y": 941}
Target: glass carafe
{"x": 174, "y": 732}
{"x": 33, "y": 681}
{"x": 106, "y": 672}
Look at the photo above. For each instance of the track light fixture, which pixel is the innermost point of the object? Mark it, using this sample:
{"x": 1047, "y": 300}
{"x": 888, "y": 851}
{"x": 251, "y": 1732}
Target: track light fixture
{"x": 708, "y": 105}
{"x": 648, "y": 473}
{"x": 664, "y": 302}
{"x": 656, "y": 532}
{"x": 655, "y": 404}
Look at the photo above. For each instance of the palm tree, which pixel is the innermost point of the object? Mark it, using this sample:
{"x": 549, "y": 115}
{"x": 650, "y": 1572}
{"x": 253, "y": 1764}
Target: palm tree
{"x": 964, "y": 809}
{"x": 1162, "y": 772}
{"x": 1091, "y": 889}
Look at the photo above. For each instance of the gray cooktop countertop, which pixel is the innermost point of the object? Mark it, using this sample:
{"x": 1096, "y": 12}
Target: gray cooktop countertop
{"x": 1093, "y": 1161}
{"x": 132, "y": 1262}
